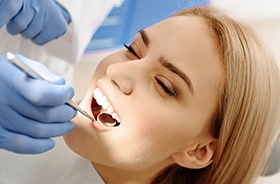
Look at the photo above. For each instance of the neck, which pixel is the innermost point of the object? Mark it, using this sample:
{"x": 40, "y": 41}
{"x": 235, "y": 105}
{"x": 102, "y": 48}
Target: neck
{"x": 111, "y": 175}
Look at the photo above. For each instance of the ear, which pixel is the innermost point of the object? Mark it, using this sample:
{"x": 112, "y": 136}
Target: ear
{"x": 200, "y": 156}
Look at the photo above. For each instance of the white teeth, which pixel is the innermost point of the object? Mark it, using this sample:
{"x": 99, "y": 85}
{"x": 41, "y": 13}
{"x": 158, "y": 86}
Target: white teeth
{"x": 102, "y": 101}
{"x": 110, "y": 110}
{"x": 118, "y": 119}
{"x": 97, "y": 92}
{"x": 106, "y": 105}
{"x": 114, "y": 115}
{"x": 110, "y": 124}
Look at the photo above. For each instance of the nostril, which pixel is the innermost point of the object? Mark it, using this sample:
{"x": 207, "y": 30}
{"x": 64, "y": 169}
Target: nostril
{"x": 127, "y": 91}
{"x": 124, "y": 86}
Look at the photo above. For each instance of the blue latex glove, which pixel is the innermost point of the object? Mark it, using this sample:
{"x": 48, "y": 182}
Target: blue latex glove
{"x": 39, "y": 20}
{"x": 32, "y": 111}
{"x": 8, "y": 9}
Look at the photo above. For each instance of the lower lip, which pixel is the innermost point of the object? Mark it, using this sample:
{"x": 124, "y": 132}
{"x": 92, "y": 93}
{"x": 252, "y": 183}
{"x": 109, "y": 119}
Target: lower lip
{"x": 99, "y": 126}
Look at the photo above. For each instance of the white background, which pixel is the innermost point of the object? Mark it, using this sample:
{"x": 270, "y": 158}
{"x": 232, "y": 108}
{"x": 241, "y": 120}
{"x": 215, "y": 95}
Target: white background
{"x": 263, "y": 15}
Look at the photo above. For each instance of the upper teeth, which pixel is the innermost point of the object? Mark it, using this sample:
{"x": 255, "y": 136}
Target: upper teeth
{"x": 102, "y": 101}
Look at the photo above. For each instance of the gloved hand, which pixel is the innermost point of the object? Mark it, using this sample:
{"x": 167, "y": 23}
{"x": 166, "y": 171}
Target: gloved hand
{"x": 39, "y": 20}
{"x": 8, "y": 9}
{"x": 32, "y": 111}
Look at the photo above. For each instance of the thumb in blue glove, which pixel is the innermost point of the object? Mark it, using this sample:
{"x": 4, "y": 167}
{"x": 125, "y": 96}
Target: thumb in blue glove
{"x": 40, "y": 21}
{"x": 32, "y": 111}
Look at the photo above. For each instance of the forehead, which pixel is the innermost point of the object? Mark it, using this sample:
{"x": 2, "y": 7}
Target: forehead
{"x": 182, "y": 26}
{"x": 185, "y": 36}
{"x": 189, "y": 43}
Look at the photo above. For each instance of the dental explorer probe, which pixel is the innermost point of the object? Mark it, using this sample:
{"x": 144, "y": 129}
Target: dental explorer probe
{"x": 32, "y": 73}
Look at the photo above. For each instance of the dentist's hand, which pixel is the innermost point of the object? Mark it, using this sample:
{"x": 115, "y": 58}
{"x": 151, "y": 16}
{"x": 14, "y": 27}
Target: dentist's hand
{"x": 32, "y": 111}
{"x": 41, "y": 21}
{"x": 8, "y": 9}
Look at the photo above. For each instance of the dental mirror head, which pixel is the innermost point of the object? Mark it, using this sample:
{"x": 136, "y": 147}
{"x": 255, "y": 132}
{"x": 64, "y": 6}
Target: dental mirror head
{"x": 107, "y": 120}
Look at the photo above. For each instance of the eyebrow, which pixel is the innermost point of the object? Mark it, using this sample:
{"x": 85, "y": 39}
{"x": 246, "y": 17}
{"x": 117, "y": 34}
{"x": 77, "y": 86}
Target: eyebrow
{"x": 166, "y": 64}
{"x": 145, "y": 37}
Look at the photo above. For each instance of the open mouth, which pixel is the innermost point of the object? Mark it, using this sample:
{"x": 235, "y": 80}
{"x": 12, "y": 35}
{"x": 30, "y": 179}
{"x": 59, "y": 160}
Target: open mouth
{"x": 102, "y": 110}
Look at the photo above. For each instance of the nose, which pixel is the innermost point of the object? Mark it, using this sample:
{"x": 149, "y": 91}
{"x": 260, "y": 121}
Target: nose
{"x": 123, "y": 76}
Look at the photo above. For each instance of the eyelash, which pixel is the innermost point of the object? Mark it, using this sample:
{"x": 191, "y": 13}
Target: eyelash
{"x": 130, "y": 49}
{"x": 163, "y": 86}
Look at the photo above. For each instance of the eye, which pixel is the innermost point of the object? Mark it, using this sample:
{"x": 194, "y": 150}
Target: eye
{"x": 168, "y": 89}
{"x": 131, "y": 50}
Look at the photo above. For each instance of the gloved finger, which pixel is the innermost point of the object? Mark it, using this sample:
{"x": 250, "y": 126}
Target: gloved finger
{"x": 37, "y": 24}
{"x": 34, "y": 28}
{"x": 57, "y": 114}
{"x": 8, "y": 9}
{"x": 47, "y": 34}
{"x": 23, "y": 144}
{"x": 42, "y": 93}
{"x": 14, "y": 122}
{"x": 65, "y": 13}
{"x": 61, "y": 113}
{"x": 20, "y": 22}
{"x": 43, "y": 70}
{"x": 38, "y": 92}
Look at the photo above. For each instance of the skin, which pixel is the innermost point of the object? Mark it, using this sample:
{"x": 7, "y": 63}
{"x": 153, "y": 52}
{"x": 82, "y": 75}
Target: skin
{"x": 156, "y": 129}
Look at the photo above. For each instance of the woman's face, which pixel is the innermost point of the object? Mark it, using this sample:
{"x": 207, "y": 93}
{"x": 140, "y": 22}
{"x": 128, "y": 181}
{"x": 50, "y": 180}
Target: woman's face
{"x": 164, "y": 89}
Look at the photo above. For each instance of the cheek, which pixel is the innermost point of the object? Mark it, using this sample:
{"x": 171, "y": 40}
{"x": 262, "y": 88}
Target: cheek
{"x": 150, "y": 136}
{"x": 167, "y": 127}
{"x": 153, "y": 126}
{"x": 147, "y": 118}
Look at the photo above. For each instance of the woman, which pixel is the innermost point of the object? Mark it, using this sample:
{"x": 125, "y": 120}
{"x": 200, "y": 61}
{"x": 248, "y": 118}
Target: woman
{"x": 194, "y": 100}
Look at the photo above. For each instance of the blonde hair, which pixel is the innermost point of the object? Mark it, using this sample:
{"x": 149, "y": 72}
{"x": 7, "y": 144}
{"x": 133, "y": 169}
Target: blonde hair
{"x": 246, "y": 120}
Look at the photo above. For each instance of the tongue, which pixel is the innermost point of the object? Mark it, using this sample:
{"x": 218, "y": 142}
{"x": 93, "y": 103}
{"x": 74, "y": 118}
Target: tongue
{"x": 106, "y": 119}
